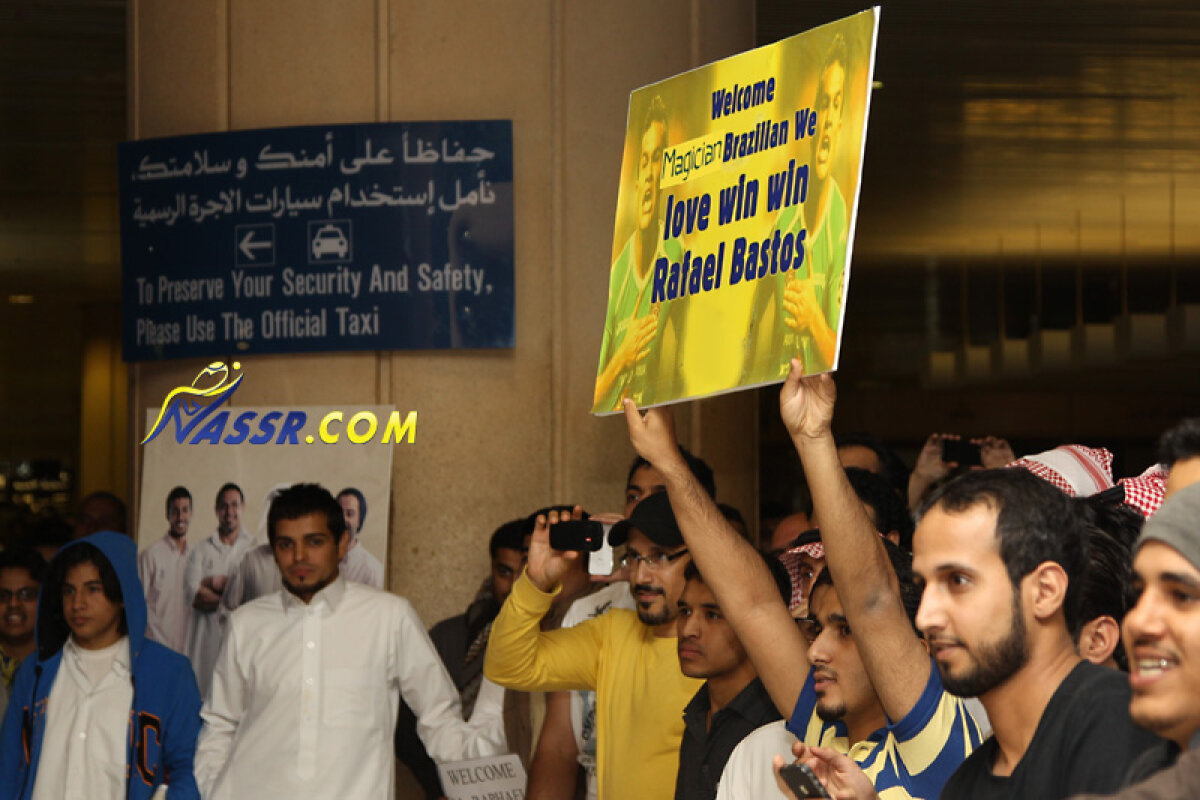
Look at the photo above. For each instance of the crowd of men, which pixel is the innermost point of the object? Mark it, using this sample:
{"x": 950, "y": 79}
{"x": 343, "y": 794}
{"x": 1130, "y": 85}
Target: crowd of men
{"x": 1026, "y": 628}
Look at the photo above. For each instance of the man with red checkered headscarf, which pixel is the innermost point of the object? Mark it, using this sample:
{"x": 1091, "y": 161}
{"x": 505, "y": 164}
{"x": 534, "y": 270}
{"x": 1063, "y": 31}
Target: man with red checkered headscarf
{"x": 1112, "y": 515}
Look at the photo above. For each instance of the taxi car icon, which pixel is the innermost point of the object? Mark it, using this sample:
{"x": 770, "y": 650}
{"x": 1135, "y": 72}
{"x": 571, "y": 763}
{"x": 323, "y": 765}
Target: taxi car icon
{"x": 329, "y": 240}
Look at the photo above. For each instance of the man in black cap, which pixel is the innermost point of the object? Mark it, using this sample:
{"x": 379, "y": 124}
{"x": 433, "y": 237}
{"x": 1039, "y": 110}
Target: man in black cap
{"x": 627, "y": 657}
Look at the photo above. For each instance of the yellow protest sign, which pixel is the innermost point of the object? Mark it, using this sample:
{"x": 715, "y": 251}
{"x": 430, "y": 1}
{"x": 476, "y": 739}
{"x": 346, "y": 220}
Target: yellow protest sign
{"x": 735, "y": 219}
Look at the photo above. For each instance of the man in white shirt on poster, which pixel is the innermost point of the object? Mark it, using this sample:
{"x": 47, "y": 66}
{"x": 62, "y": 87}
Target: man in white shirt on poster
{"x": 358, "y": 564}
{"x": 205, "y": 578}
{"x": 308, "y": 683}
{"x": 161, "y": 568}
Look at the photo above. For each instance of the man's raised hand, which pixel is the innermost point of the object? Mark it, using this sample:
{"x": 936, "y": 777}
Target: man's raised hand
{"x": 806, "y": 403}
{"x": 545, "y": 565}
{"x": 652, "y": 434}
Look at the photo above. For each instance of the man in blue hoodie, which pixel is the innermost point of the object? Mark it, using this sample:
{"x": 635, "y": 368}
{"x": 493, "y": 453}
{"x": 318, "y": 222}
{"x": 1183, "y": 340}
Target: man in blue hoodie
{"x": 112, "y": 714}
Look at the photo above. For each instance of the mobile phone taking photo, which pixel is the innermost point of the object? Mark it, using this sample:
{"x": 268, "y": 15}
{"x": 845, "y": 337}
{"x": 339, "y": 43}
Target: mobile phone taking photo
{"x": 582, "y": 535}
{"x": 963, "y": 453}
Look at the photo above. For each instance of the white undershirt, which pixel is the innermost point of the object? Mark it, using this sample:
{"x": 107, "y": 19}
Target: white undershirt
{"x": 95, "y": 664}
{"x": 87, "y": 718}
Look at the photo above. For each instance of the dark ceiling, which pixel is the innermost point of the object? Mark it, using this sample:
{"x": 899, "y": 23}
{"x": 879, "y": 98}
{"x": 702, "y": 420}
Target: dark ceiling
{"x": 62, "y": 111}
{"x": 1031, "y": 178}
{"x": 1021, "y": 128}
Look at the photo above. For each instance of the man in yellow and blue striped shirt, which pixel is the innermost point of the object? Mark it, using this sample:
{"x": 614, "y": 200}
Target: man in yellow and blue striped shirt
{"x": 872, "y": 690}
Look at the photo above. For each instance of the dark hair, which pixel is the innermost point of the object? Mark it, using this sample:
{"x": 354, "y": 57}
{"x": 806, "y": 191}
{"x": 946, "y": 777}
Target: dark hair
{"x": 730, "y": 513}
{"x": 73, "y": 556}
{"x": 735, "y": 518}
{"x": 1180, "y": 443}
{"x": 894, "y": 471}
{"x": 362, "y": 503}
{"x": 1034, "y": 524}
{"x": 837, "y": 53}
{"x": 1106, "y": 589}
{"x": 510, "y": 535}
{"x": 656, "y": 112}
{"x": 49, "y": 531}
{"x": 177, "y": 493}
{"x": 779, "y": 573}
{"x": 696, "y": 465}
{"x": 302, "y": 499}
{"x": 118, "y": 505}
{"x": 24, "y": 558}
{"x": 226, "y": 487}
{"x": 910, "y": 593}
{"x": 890, "y": 512}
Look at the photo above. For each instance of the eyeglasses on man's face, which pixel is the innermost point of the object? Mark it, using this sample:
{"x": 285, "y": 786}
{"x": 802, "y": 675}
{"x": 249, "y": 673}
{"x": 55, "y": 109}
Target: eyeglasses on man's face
{"x": 27, "y": 594}
{"x": 655, "y": 559}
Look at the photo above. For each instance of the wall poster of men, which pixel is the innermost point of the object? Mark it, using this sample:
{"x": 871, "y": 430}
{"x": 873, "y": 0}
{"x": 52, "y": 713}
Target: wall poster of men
{"x": 202, "y": 522}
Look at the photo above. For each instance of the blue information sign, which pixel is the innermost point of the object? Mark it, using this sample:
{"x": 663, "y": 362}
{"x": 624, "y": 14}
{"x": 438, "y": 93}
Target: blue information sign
{"x": 334, "y": 237}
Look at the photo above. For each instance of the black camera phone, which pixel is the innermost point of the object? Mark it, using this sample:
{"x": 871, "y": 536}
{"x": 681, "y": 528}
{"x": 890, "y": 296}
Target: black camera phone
{"x": 961, "y": 452}
{"x": 577, "y": 534}
{"x": 802, "y": 781}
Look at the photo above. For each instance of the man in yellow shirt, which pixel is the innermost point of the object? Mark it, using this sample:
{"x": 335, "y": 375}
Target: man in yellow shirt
{"x": 627, "y": 657}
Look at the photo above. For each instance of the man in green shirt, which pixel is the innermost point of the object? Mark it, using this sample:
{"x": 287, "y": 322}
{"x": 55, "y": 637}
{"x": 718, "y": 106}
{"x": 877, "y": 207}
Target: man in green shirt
{"x": 800, "y": 312}
{"x": 634, "y": 324}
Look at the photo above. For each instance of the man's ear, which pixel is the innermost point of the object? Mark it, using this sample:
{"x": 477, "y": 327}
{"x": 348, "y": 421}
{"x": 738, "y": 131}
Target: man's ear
{"x": 893, "y": 537}
{"x": 1099, "y": 639}
{"x": 1047, "y": 585}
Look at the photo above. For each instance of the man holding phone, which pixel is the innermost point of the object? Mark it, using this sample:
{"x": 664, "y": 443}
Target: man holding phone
{"x": 628, "y": 658}
{"x": 567, "y": 743}
{"x": 945, "y": 454}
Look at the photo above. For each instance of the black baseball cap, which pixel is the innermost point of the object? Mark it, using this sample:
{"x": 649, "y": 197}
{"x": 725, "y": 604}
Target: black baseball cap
{"x": 653, "y": 517}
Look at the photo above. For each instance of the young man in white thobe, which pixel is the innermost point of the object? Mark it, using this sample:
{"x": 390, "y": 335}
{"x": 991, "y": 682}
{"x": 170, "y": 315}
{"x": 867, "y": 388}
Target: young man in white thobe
{"x": 308, "y": 683}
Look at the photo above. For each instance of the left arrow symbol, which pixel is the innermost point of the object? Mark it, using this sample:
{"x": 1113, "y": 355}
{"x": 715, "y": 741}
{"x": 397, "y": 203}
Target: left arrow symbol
{"x": 248, "y": 245}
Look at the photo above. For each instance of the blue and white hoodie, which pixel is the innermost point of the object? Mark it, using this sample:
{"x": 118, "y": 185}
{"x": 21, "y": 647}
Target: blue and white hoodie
{"x": 164, "y": 719}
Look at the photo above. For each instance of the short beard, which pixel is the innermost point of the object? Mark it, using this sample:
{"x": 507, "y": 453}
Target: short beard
{"x": 654, "y": 618}
{"x": 831, "y": 713}
{"x": 309, "y": 592}
{"x": 993, "y": 663}
{"x": 649, "y": 618}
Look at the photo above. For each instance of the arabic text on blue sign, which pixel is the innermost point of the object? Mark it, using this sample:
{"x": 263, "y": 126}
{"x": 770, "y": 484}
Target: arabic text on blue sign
{"x": 339, "y": 237}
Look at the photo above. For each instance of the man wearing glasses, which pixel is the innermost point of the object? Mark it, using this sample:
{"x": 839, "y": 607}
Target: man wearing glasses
{"x": 21, "y": 573}
{"x": 627, "y": 657}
